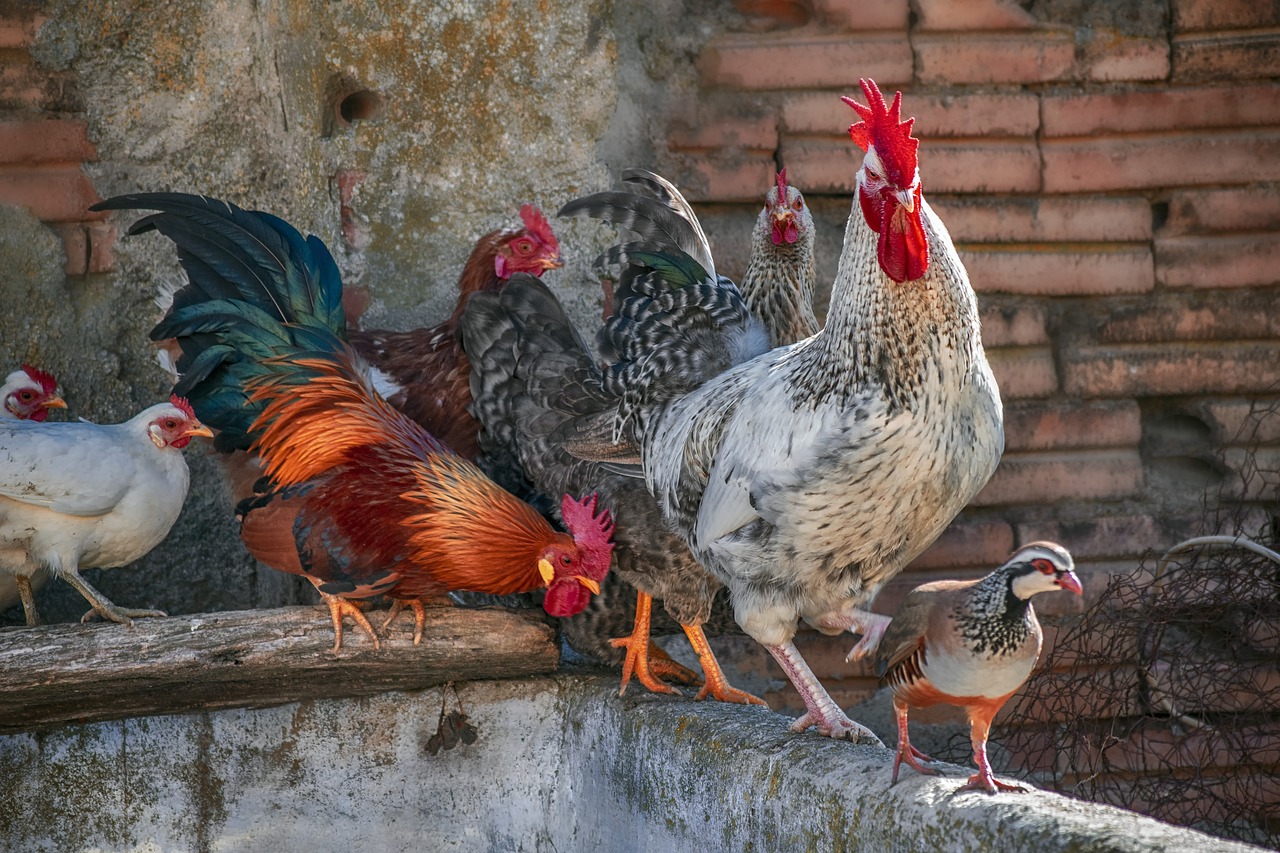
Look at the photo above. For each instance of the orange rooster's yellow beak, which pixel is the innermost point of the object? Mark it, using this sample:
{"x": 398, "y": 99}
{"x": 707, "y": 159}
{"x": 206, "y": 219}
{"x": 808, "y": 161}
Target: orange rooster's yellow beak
{"x": 589, "y": 584}
{"x": 54, "y": 402}
{"x": 544, "y": 569}
{"x": 201, "y": 430}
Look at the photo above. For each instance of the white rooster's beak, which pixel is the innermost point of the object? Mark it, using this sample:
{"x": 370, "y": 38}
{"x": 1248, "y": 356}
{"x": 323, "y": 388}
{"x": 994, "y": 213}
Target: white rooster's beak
{"x": 907, "y": 198}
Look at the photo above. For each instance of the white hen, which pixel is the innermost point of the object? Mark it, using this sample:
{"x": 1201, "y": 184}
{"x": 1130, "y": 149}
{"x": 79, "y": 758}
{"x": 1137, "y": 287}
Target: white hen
{"x": 77, "y": 495}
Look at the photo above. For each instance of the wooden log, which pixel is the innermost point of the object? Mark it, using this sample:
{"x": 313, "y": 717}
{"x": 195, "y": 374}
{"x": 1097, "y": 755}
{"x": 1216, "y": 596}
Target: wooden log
{"x": 55, "y": 674}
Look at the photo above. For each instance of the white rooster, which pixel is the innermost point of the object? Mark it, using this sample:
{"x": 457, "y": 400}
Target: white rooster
{"x": 807, "y": 477}
{"x": 78, "y": 495}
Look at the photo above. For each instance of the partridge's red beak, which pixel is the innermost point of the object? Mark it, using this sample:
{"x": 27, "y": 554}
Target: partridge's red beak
{"x": 1071, "y": 583}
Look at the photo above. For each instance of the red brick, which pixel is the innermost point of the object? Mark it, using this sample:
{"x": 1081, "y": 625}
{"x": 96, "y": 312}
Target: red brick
{"x": 1095, "y": 578}
{"x": 717, "y": 130}
{"x": 1064, "y": 426}
{"x": 1191, "y": 316}
{"x": 1207, "y": 211}
{"x": 1046, "y": 478}
{"x": 970, "y": 166}
{"x": 19, "y": 32}
{"x": 45, "y": 141}
{"x": 1219, "y": 261}
{"x": 1099, "y": 538}
{"x": 1014, "y": 219}
{"x": 102, "y": 241}
{"x": 799, "y": 62}
{"x": 1162, "y": 109}
{"x": 1161, "y": 161}
{"x": 1024, "y": 372}
{"x": 1115, "y": 58}
{"x": 944, "y": 15}
{"x": 1156, "y": 370}
{"x": 75, "y": 247}
{"x": 979, "y": 114}
{"x": 52, "y": 193}
{"x": 994, "y": 58}
{"x": 1245, "y": 422}
{"x": 764, "y": 15}
{"x": 1051, "y": 271}
{"x": 1008, "y": 325}
{"x": 1234, "y": 56}
{"x": 728, "y": 177}
{"x": 981, "y": 544}
{"x": 862, "y": 15}
{"x": 1224, "y": 14}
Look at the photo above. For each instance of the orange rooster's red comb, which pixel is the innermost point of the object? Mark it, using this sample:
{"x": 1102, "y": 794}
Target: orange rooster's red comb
{"x": 591, "y": 532}
{"x": 536, "y": 224}
{"x": 47, "y": 383}
{"x": 183, "y": 406}
{"x": 884, "y": 128}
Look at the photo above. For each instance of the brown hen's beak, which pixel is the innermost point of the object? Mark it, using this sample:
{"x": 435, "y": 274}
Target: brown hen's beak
{"x": 201, "y": 430}
{"x": 551, "y": 263}
{"x": 548, "y": 573}
{"x": 589, "y": 584}
{"x": 54, "y": 402}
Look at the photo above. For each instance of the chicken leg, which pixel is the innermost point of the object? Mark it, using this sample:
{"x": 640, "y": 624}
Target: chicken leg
{"x": 419, "y": 607}
{"x": 821, "y": 710}
{"x": 28, "y": 599}
{"x": 717, "y": 686}
{"x": 339, "y": 607}
{"x": 102, "y": 605}
{"x": 646, "y": 660}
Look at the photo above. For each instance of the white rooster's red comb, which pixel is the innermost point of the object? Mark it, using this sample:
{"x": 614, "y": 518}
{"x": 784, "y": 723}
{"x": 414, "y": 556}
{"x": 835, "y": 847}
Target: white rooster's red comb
{"x": 536, "y": 224}
{"x": 45, "y": 379}
{"x": 183, "y": 406}
{"x": 885, "y": 128}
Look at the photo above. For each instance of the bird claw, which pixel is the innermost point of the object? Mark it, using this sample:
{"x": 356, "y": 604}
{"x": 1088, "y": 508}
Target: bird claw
{"x": 837, "y": 727}
{"x": 872, "y": 627}
{"x": 989, "y": 784}
{"x": 122, "y": 615}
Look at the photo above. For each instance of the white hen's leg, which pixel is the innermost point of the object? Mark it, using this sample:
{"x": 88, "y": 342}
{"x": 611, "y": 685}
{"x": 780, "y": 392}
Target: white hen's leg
{"x": 822, "y": 711}
{"x": 101, "y": 604}
{"x": 28, "y": 599}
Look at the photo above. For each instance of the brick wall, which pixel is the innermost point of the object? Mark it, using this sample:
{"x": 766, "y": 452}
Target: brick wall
{"x": 1109, "y": 173}
{"x": 43, "y": 145}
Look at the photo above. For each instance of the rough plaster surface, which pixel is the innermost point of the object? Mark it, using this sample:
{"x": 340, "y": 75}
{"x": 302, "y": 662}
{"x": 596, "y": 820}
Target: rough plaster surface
{"x": 561, "y": 764}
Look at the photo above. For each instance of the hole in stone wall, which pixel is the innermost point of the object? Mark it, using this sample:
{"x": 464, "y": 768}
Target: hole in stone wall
{"x": 360, "y": 105}
{"x": 1159, "y": 214}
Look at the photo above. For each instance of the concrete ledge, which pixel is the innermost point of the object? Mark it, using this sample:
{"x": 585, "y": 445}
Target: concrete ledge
{"x": 561, "y": 764}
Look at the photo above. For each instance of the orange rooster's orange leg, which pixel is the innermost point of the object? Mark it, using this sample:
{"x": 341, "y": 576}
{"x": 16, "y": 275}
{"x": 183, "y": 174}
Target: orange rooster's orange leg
{"x": 419, "y": 615}
{"x": 339, "y": 607}
{"x": 637, "y": 646}
{"x": 717, "y": 686}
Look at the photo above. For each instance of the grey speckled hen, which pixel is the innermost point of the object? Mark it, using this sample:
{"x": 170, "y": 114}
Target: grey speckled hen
{"x": 807, "y": 477}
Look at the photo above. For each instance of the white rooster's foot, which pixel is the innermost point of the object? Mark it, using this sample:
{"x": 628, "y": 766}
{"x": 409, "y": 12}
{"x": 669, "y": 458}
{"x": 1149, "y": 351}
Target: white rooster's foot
{"x": 123, "y": 615}
{"x": 872, "y": 627}
{"x": 837, "y": 726}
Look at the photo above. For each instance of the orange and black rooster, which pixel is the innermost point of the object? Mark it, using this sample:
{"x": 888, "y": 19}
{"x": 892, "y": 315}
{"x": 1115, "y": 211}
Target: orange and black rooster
{"x": 379, "y": 506}
{"x": 424, "y": 372}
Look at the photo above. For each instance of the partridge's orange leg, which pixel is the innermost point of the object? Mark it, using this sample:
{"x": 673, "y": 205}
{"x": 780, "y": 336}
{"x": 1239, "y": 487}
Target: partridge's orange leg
{"x": 637, "y": 646}
{"x": 339, "y": 607}
{"x": 983, "y": 780}
{"x": 717, "y": 686}
{"x": 907, "y": 752}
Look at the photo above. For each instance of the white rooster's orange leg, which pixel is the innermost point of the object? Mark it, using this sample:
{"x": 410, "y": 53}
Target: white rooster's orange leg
{"x": 906, "y": 752}
{"x": 339, "y": 607}
{"x": 822, "y": 711}
{"x": 28, "y": 599}
{"x": 638, "y": 649}
{"x": 717, "y": 686}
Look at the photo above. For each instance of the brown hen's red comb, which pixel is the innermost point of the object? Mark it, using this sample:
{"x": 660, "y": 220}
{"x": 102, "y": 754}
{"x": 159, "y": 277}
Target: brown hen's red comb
{"x": 591, "y": 532}
{"x": 47, "y": 383}
{"x": 782, "y": 186}
{"x": 538, "y": 226}
{"x": 884, "y": 128}
{"x": 183, "y": 406}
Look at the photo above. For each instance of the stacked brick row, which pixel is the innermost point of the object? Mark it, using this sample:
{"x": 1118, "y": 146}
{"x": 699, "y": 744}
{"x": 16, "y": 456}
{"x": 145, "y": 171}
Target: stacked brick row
{"x": 1111, "y": 181}
{"x": 43, "y": 145}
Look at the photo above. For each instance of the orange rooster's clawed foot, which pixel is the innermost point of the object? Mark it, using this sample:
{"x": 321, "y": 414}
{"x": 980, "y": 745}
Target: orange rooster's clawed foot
{"x": 667, "y": 668}
{"x": 419, "y": 615}
{"x": 638, "y": 652}
{"x": 340, "y": 607}
{"x": 717, "y": 686}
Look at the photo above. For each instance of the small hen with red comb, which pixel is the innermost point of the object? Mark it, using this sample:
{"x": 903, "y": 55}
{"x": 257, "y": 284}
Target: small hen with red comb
{"x": 28, "y": 394}
{"x": 76, "y": 495}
